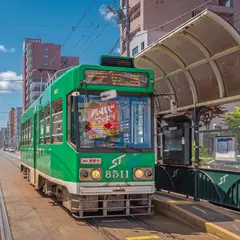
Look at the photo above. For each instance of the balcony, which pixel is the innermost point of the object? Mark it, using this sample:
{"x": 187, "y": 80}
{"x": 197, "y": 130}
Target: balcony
{"x": 29, "y": 68}
{"x": 135, "y": 24}
{"x": 29, "y": 61}
{"x": 29, "y": 46}
{"x": 29, "y": 53}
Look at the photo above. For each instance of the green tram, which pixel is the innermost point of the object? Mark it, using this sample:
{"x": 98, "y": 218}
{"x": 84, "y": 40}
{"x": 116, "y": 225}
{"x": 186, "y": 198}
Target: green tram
{"x": 88, "y": 139}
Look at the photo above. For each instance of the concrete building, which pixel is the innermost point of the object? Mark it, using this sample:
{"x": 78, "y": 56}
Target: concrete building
{"x": 17, "y": 133}
{"x": 12, "y": 126}
{"x": 3, "y": 137}
{"x": 149, "y": 14}
{"x": 40, "y": 61}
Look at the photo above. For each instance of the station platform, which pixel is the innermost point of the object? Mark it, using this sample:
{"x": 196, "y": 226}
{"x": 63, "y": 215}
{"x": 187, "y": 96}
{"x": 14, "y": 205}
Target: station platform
{"x": 215, "y": 220}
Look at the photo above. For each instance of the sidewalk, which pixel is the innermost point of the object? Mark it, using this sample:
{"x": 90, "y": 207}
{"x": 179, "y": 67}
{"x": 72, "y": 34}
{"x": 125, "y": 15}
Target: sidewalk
{"x": 215, "y": 220}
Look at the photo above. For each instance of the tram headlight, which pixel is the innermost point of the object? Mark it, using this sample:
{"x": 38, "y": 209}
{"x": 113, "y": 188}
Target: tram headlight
{"x": 84, "y": 174}
{"x": 96, "y": 174}
{"x": 149, "y": 173}
{"x": 138, "y": 173}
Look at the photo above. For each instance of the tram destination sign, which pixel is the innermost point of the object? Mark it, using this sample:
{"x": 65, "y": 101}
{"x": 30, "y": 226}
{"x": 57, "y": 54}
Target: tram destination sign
{"x": 116, "y": 78}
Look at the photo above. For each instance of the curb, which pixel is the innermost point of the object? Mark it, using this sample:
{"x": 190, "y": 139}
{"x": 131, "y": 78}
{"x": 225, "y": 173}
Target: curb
{"x": 173, "y": 211}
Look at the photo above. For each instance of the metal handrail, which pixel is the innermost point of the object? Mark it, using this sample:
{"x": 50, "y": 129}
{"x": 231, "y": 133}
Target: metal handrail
{"x": 5, "y": 231}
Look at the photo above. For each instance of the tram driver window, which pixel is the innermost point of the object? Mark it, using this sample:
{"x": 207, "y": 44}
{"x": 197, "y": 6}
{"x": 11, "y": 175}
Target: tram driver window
{"x": 57, "y": 121}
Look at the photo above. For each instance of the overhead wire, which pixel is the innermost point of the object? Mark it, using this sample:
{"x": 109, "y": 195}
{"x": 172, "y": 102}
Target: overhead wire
{"x": 115, "y": 45}
{"x": 73, "y": 29}
{"x": 96, "y": 37}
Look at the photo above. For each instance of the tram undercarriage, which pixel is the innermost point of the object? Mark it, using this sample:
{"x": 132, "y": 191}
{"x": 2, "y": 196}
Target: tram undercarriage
{"x": 123, "y": 203}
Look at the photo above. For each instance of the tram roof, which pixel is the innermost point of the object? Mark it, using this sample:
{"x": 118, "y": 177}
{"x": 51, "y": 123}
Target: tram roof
{"x": 199, "y": 62}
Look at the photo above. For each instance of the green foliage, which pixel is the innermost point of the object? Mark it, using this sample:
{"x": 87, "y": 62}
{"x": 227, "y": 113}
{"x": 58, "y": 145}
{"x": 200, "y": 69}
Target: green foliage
{"x": 233, "y": 118}
{"x": 204, "y": 156}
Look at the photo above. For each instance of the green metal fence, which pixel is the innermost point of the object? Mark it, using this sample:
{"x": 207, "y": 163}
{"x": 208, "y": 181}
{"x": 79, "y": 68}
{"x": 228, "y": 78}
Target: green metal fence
{"x": 218, "y": 186}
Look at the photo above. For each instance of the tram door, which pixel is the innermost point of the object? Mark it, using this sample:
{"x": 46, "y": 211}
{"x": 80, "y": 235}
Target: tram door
{"x": 35, "y": 144}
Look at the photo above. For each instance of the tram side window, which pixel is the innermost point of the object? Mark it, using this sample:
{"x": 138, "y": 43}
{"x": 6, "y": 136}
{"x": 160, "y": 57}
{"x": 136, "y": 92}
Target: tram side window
{"x": 57, "y": 121}
{"x": 42, "y": 127}
{"x": 25, "y": 133}
{"x": 47, "y": 125}
{"x": 29, "y": 132}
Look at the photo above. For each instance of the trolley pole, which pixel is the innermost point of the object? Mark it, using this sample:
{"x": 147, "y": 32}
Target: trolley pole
{"x": 127, "y": 29}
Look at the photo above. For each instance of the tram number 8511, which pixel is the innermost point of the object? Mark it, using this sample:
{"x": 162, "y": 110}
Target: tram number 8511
{"x": 117, "y": 174}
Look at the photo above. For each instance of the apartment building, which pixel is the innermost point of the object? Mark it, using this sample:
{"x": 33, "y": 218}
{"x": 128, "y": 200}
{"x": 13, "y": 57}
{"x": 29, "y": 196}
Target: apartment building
{"x": 17, "y": 127}
{"x": 146, "y": 15}
{"x": 40, "y": 61}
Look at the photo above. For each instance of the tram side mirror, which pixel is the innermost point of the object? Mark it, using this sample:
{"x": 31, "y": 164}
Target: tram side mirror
{"x": 108, "y": 95}
{"x": 173, "y": 106}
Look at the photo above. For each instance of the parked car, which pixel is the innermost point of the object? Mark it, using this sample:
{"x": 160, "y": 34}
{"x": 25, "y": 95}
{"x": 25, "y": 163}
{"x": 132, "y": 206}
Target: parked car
{"x": 11, "y": 150}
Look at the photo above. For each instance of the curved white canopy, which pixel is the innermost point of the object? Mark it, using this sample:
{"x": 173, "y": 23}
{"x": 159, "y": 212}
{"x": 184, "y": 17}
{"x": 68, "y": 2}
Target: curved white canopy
{"x": 199, "y": 62}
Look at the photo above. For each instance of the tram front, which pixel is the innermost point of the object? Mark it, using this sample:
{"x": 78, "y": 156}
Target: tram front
{"x": 113, "y": 134}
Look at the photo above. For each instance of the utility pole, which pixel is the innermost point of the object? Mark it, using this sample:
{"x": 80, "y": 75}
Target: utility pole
{"x": 127, "y": 28}
{"x": 124, "y": 20}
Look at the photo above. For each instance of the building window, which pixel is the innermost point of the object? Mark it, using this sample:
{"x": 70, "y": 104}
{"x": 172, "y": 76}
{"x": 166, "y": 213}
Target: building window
{"x": 45, "y": 56}
{"x": 57, "y": 121}
{"x": 45, "y": 49}
{"x": 45, "y": 64}
{"x": 65, "y": 62}
{"x": 225, "y": 3}
{"x": 135, "y": 51}
{"x": 142, "y": 45}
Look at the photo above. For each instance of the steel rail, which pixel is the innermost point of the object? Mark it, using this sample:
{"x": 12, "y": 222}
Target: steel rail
{"x": 5, "y": 231}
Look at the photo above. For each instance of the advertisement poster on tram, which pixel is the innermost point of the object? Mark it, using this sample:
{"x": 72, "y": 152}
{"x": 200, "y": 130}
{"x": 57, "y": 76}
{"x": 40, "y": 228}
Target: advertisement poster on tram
{"x": 103, "y": 121}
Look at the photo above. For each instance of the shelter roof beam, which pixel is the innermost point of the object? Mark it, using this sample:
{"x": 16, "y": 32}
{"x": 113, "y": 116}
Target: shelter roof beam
{"x": 154, "y": 64}
{"x": 182, "y": 65}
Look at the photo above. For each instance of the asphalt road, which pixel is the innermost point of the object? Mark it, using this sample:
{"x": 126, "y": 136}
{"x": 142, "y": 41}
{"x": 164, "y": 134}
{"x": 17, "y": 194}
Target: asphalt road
{"x": 35, "y": 217}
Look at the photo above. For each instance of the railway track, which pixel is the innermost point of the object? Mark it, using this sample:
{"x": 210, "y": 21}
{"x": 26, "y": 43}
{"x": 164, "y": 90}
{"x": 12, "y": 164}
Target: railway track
{"x": 5, "y": 232}
{"x": 160, "y": 233}
{"x": 167, "y": 234}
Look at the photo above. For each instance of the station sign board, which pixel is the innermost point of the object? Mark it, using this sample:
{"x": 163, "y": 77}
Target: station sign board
{"x": 225, "y": 148}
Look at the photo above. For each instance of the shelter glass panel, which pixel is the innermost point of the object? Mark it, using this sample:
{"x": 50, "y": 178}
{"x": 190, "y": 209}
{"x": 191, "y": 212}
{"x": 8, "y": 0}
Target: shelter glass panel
{"x": 185, "y": 49}
{"x": 206, "y": 82}
{"x": 164, "y": 61}
{"x": 215, "y": 42}
{"x": 161, "y": 86}
{"x": 229, "y": 66}
{"x": 151, "y": 65}
{"x": 182, "y": 89}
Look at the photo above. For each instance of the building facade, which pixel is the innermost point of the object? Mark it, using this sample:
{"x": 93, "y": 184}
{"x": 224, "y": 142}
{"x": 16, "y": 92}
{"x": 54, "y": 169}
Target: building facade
{"x": 12, "y": 127}
{"x": 3, "y": 137}
{"x": 17, "y": 133}
{"x": 40, "y": 61}
{"x": 149, "y": 14}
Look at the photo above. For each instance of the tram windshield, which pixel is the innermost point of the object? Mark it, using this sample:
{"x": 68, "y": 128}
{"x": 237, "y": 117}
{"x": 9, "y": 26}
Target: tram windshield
{"x": 122, "y": 122}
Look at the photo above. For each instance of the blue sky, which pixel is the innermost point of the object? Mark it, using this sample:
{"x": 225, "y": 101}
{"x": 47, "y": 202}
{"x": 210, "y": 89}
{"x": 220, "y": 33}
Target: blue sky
{"x": 16, "y": 18}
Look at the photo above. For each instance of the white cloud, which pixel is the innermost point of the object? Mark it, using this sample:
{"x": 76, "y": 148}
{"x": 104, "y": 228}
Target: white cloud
{"x": 104, "y": 11}
{"x": 117, "y": 50}
{"x": 9, "y": 81}
{"x": 4, "y": 49}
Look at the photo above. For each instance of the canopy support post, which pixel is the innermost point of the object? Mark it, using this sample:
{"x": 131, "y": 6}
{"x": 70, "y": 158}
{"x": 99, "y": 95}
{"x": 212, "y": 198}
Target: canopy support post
{"x": 196, "y": 114}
